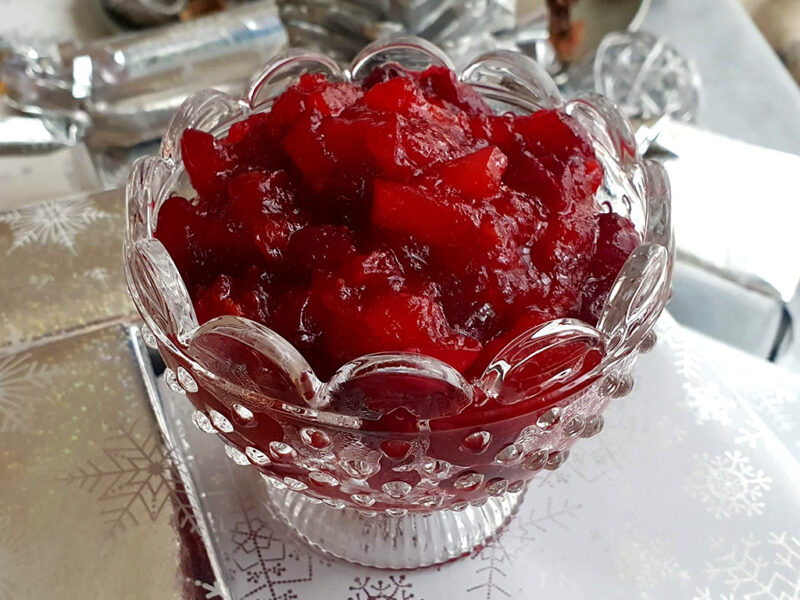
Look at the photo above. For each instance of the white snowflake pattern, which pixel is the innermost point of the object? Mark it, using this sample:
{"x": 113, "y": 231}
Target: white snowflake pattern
{"x": 728, "y": 484}
{"x": 778, "y": 404}
{"x": 56, "y": 222}
{"x": 22, "y": 383}
{"x": 648, "y": 562}
{"x": 704, "y": 398}
{"x": 751, "y": 434}
{"x": 502, "y": 552}
{"x": 708, "y": 402}
{"x": 706, "y": 594}
{"x": 138, "y": 480}
{"x": 99, "y": 274}
{"x": 754, "y": 570}
{"x": 39, "y": 281}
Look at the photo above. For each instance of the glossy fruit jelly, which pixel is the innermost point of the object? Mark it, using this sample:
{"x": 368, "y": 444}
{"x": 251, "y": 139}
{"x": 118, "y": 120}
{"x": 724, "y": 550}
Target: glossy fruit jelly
{"x": 399, "y": 214}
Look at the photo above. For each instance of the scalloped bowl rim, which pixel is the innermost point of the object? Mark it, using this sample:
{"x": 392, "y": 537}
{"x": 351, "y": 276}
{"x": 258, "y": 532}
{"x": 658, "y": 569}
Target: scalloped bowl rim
{"x": 310, "y": 412}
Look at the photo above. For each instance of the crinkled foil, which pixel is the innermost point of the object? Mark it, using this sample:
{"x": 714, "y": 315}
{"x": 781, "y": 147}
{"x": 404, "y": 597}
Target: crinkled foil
{"x": 342, "y": 28}
{"x": 144, "y": 12}
{"x": 127, "y": 87}
{"x": 130, "y": 85}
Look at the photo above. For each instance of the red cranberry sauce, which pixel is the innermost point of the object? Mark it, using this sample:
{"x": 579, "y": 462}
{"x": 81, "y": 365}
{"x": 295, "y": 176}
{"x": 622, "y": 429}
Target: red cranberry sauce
{"x": 400, "y": 214}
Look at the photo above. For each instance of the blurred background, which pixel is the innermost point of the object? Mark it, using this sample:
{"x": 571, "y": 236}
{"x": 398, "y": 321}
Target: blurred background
{"x": 779, "y": 21}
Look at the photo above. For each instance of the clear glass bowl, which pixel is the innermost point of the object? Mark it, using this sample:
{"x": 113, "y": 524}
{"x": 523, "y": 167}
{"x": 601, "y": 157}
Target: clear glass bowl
{"x": 447, "y": 484}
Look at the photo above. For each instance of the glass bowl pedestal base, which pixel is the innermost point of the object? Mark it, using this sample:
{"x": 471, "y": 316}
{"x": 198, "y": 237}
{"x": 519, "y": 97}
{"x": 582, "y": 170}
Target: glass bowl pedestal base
{"x": 403, "y": 541}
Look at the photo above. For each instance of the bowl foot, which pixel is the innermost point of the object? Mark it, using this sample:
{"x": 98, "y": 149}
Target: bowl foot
{"x": 406, "y": 541}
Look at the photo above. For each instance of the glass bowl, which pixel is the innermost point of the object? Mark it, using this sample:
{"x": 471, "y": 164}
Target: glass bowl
{"x": 402, "y": 489}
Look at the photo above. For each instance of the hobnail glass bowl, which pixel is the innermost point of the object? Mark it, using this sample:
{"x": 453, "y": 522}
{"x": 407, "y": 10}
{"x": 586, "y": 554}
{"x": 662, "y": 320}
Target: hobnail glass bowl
{"x": 445, "y": 485}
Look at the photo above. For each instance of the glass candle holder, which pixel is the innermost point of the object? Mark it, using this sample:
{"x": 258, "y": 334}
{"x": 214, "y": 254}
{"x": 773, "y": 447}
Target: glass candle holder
{"x": 440, "y": 482}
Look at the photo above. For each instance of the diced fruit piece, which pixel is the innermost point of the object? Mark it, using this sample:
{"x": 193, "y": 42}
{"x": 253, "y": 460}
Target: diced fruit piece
{"x": 430, "y": 219}
{"x": 398, "y": 95}
{"x": 559, "y": 186}
{"x": 216, "y": 300}
{"x": 249, "y": 130}
{"x": 271, "y": 236}
{"x": 402, "y": 322}
{"x": 563, "y": 251}
{"x": 378, "y": 270}
{"x": 256, "y": 194}
{"x": 306, "y": 148}
{"x": 530, "y": 175}
{"x": 431, "y": 141}
{"x": 320, "y": 247}
{"x": 551, "y": 133}
{"x": 312, "y": 97}
{"x": 498, "y": 130}
{"x": 475, "y": 175}
{"x": 382, "y": 138}
{"x": 616, "y": 239}
{"x": 440, "y": 85}
{"x": 253, "y": 144}
{"x": 208, "y": 162}
{"x": 229, "y": 296}
{"x": 263, "y": 205}
{"x": 202, "y": 240}
{"x": 557, "y": 159}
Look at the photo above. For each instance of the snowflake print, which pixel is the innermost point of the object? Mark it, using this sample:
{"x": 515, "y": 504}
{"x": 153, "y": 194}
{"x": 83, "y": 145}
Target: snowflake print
{"x": 754, "y": 570}
{"x": 138, "y": 480}
{"x": 778, "y": 403}
{"x": 708, "y": 402}
{"x": 22, "y": 383}
{"x": 706, "y": 594}
{"x": 503, "y": 551}
{"x": 254, "y": 536}
{"x": 266, "y": 567}
{"x": 39, "y": 281}
{"x": 99, "y": 274}
{"x": 56, "y": 222}
{"x": 395, "y": 587}
{"x": 704, "y": 398}
{"x": 728, "y": 485}
{"x": 751, "y": 434}
{"x": 648, "y": 562}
